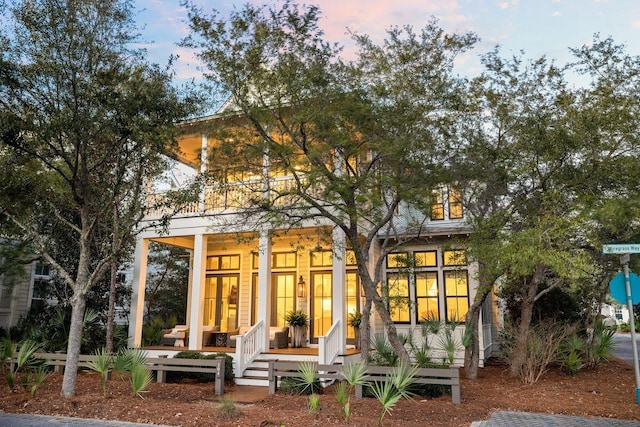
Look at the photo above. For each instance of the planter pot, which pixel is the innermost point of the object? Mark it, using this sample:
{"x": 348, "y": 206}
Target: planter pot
{"x": 297, "y": 336}
{"x": 356, "y": 336}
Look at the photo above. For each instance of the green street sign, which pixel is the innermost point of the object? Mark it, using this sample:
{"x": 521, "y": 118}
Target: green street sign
{"x": 621, "y": 248}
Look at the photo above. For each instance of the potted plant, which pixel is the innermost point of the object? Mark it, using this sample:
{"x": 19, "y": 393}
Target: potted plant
{"x": 298, "y": 321}
{"x": 355, "y": 319}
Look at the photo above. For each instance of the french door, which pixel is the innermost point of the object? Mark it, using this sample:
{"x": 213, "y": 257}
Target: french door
{"x": 221, "y": 301}
{"x": 283, "y": 297}
{"x": 321, "y": 304}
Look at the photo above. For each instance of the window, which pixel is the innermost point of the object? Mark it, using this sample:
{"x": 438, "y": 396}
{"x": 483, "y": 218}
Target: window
{"x": 455, "y": 204}
{"x": 454, "y": 257}
{"x": 427, "y": 296}
{"x": 426, "y": 259}
{"x": 453, "y": 199}
{"x": 456, "y": 291}
{"x": 223, "y": 262}
{"x": 6, "y": 295}
{"x": 397, "y": 293}
{"x": 427, "y": 284}
{"x": 42, "y": 269}
{"x": 284, "y": 260}
{"x": 397, "y": 260}
{"x": 437, "y": 205}
{"x": 321, "y": 259}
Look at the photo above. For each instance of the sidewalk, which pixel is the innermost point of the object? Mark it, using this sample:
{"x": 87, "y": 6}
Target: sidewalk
{"x": 30, "y": 420}
{"x": 526, "y": 419}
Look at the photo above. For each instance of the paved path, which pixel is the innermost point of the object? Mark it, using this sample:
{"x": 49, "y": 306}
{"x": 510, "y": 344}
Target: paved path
{"x": 527, "y": 419}
{"x": 29, "y": 420}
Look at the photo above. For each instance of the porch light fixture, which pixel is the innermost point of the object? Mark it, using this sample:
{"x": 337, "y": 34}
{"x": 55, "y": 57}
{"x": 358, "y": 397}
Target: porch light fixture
{"x": 302, "y": 288}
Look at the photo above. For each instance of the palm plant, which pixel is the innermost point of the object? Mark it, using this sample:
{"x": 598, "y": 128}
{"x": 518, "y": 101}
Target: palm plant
{"x": 354, "y": 374}
{"x": 140, "y": 379}
{"x": 395, "y": 387}
{"x": 308, "y": 377}
{"x": 383, "y": 353}
{"x": 449, "y": 342}
{"x": 102, "y": 364}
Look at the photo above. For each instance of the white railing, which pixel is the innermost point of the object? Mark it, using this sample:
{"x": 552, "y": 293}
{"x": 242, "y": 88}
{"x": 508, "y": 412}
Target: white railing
{"x": 249, "y": 346}
{"x": 329, "y": 345}
{"x": 230, "y": 196}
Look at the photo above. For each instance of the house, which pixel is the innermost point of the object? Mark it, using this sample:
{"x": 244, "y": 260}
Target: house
{"x": 19, "y": 292}
{"x": 249, "y": 275}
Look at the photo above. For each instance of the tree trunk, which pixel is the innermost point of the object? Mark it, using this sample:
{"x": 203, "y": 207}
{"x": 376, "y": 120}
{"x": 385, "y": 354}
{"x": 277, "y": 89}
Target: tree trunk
{"x": 78, "y": 304}
{"x": 113, "y": 282}
{"x": 472, "y": 351}
{"x": 112, "y": 307}
{"x": 519, "y": 356}
{"x": 365, "y": 331}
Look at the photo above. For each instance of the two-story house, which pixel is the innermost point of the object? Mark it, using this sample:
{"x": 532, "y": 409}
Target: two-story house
{"x": 250, "y": 275}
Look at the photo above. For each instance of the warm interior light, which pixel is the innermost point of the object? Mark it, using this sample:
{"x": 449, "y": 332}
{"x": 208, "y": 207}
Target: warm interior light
{"x": 302, "y": 288}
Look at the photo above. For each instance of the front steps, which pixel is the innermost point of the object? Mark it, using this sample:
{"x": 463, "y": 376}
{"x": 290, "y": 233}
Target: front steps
{"x": 257, "y": 374}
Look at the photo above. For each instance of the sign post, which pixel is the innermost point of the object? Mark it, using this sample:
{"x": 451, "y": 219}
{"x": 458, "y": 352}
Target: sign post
{"x": 624, "y": 250}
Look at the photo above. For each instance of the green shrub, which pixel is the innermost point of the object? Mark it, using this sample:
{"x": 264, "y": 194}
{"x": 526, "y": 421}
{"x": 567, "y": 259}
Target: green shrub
{"x": 290, "y": 385}
{"x": 228, "y": 365}
{"x": 176, "y": 377}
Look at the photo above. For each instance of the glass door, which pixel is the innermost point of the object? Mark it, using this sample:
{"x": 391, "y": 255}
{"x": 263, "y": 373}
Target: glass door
{"x": 321, "y": 307}
{"x": 221, "y": 301}
{"x": 283, "y": 297}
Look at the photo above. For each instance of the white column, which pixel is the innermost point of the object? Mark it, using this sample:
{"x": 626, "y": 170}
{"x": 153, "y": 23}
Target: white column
{"x": 198, "y": 276}
{"x": 137, "y": 292}
{"x": 203, "y": 170}
{"x": 338, "y": 294}
{"x": 264, "y": 283}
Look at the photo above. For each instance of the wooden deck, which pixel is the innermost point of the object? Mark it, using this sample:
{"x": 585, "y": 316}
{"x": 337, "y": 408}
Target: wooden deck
{"x": 305, "y": 351}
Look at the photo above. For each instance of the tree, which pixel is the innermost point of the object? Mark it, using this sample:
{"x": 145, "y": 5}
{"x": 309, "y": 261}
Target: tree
{"x": 538, "y": 169}
{"x": 167, "y": 283}
{"x": 86, "y": 121}
{"x": 363, "y": 138}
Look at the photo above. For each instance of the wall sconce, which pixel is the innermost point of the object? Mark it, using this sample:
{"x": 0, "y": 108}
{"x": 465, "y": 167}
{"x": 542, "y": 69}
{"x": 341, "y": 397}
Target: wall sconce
{"x": 302, "y": 288}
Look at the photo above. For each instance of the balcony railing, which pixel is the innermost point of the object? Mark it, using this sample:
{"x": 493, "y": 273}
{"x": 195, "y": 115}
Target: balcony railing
{"x": 219, "y": 198}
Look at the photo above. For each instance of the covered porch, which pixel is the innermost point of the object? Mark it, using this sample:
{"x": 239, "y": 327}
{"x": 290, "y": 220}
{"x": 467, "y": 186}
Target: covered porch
{"x": 249, "y": 282}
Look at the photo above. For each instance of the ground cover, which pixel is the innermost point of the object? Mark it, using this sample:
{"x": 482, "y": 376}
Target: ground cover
{"x": 608, "y": 391}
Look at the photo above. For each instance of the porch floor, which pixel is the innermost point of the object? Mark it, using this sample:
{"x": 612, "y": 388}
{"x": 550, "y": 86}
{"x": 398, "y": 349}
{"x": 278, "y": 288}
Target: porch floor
{"x": 306, "y": 351}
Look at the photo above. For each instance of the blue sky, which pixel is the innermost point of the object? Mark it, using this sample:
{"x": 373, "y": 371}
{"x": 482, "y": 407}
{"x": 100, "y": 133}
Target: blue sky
{"x": 539, "y": 27}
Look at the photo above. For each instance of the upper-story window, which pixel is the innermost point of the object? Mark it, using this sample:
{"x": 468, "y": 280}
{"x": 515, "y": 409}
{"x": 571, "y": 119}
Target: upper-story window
{"x": 446, "y": 203}
{"x": 42, "y": 269}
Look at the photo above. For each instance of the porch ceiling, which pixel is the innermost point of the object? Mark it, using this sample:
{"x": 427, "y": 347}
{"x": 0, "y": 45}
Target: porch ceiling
{"x": 186, "y": 242}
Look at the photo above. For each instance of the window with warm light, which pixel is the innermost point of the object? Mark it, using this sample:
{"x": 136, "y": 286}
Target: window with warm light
{"x": 456, "y": 295}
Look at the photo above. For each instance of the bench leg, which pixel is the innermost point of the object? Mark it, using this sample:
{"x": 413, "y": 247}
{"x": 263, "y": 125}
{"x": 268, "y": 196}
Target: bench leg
{"x": 455, "y": 393}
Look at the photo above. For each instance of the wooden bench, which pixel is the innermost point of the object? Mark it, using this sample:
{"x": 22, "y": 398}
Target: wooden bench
{"x": 436, "y": 376}
{"x": 159, "y": 364}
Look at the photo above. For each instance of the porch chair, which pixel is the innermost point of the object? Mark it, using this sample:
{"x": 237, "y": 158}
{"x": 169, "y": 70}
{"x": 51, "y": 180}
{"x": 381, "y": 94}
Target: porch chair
{"x": 176, "y": 336}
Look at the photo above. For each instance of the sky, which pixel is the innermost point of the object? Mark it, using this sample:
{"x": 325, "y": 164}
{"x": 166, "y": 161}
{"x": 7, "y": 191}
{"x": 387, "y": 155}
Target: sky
{"x": 539, "y": 27}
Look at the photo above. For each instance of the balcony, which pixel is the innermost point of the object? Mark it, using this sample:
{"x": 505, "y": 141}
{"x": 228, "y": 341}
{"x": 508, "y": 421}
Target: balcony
{"x": 227, "y": 198}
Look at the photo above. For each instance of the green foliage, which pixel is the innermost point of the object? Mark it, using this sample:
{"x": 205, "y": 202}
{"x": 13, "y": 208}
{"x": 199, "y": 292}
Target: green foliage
{"x": 314, "y": 403}
{"x": 354, "y": 319}
{"x": 140, "y": 379}
{"x": 449, "y": 342}
{"x": 102, "y": 365}
{"x": 297, "y": 318}
{"x": 198, "y": 376}
{"x": 229, "y": 376}
{"x": 152, "y": 329}
{"x": 383, "y": 353}
{"x": 228, "y": 409}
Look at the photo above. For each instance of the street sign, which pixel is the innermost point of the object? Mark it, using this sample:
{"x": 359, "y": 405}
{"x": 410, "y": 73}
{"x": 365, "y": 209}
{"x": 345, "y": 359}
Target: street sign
{"x": 621, "y": 248}
{"x": 618, "y": 291}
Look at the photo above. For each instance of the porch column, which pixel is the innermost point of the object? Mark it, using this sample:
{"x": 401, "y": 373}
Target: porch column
{"x": 338, "y": 293}
{"x": 264, "y": 283}
{"x": 198, "y": 275}
{"x": 137, "y": 292}
{"x": 203, "y": 170}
